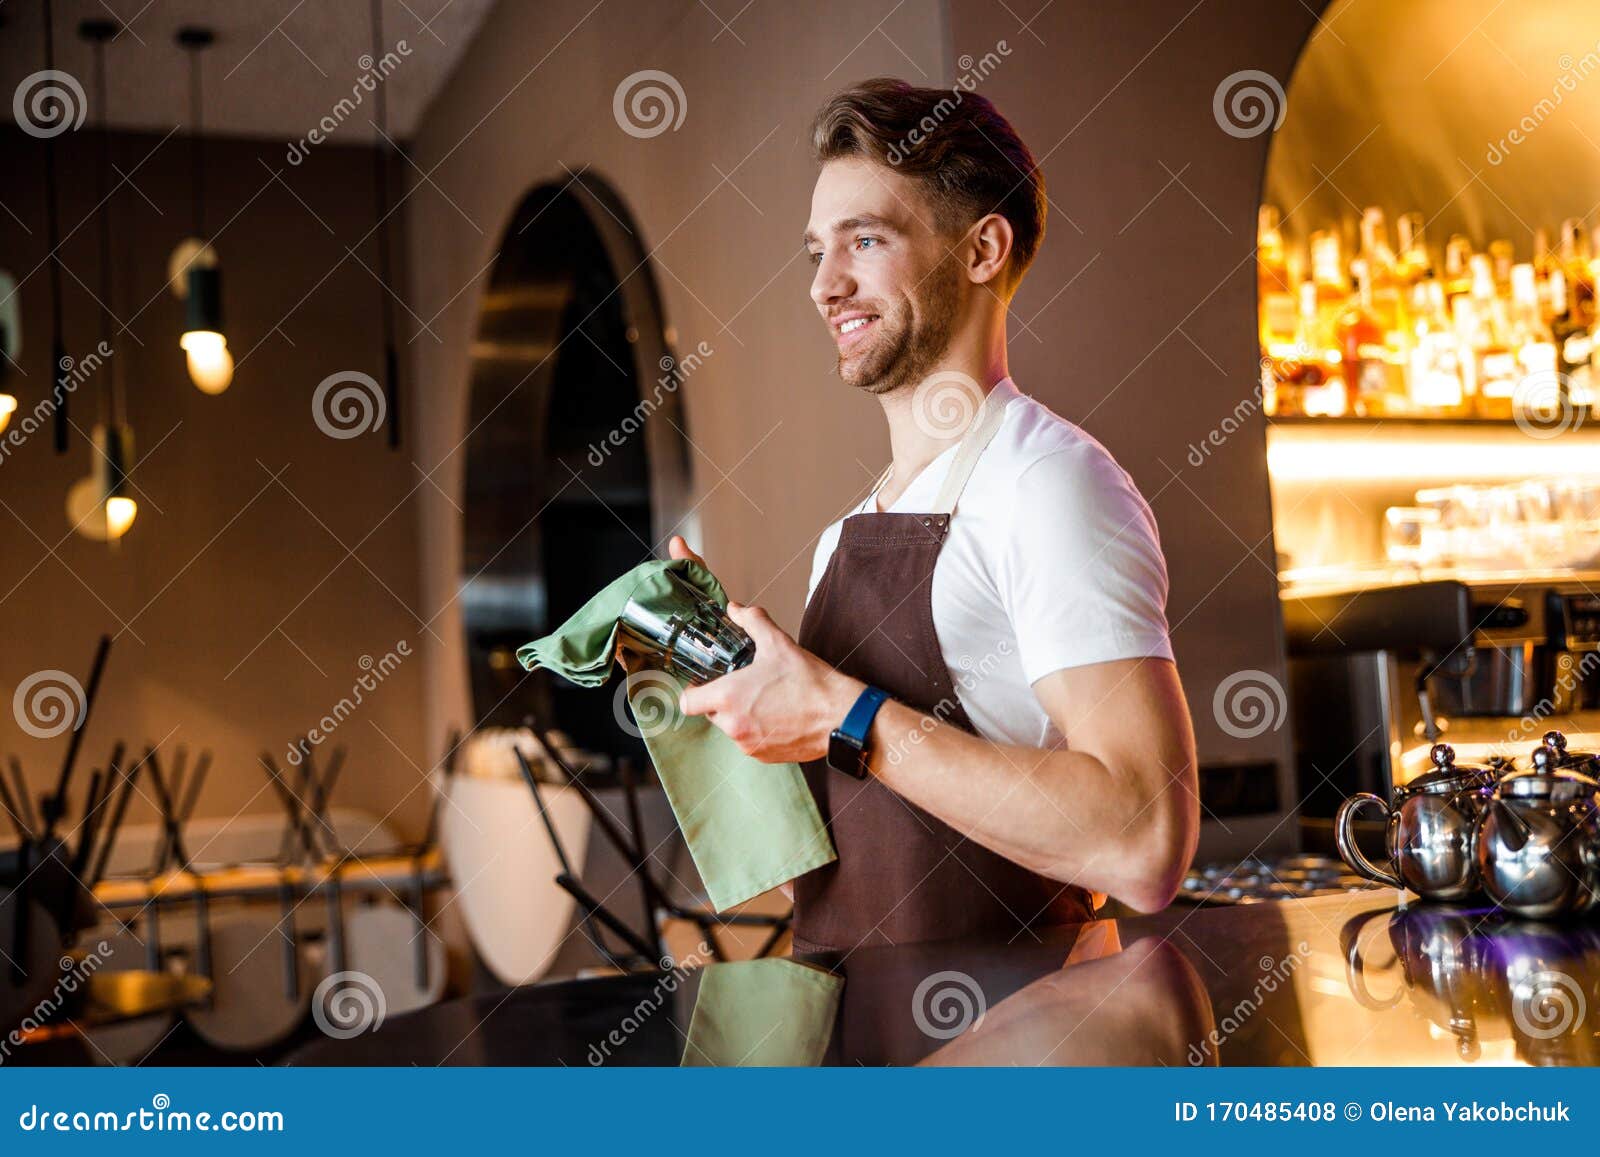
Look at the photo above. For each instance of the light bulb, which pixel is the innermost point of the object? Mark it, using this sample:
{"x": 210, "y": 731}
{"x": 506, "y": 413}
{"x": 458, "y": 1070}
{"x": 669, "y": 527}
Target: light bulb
{"x": 8, "y": 406}
{"x": 95, "y": 516}
{"x": 120, "y": 513}
{"x": 210, "y": 363}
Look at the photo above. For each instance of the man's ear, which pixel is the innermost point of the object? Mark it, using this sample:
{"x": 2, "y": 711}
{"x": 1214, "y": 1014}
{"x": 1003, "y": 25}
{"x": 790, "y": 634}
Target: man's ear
{"x": 989, "y": 250}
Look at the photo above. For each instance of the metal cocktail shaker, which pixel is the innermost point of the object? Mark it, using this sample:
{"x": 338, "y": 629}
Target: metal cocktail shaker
{"x": 693, "y": 638}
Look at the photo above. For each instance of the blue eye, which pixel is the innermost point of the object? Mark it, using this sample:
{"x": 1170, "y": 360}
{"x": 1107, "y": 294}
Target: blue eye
{"x": 814, "y": 256}
{"x": 860, "y": 241}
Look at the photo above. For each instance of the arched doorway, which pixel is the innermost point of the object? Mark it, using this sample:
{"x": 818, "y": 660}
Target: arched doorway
{"x": 577, "y": 460}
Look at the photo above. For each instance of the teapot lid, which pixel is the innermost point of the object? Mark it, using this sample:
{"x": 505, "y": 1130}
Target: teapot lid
{"x": 1586, "y": 760}
{"x": 1447, "y": 774}
{"x": 1548, "y": 778}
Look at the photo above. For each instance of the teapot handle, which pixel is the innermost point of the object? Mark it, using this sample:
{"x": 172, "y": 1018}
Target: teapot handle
{"x": 1345, "y": 840}
{"x": 1355, "y": 972}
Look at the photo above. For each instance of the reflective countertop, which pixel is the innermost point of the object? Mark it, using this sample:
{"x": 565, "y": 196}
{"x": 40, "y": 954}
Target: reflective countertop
{"x": 1370, "y": 978}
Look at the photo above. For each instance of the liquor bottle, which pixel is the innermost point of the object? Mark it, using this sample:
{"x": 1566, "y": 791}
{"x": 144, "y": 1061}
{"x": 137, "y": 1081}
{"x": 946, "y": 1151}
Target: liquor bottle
{"x": 1457, "y": 269}
{"x": 1494, "y": 362}
{"x": 1574, "y": 343}
{"x": 1434, "y": 366}
{"x": 1320, "y": 382}
{"x": 1575, "y": 264}
{"x": 1362, "y": 348}
{"x": 1502, "y": 256}
{"x": 1289, "y": 368}
{"x": 1412, "y": 263}
{"x": 1332, "y": 290}
{"x": 1546, "y": 270}
{"x": 1387, "y": 305}
{"x": 1531, "y": 339}
{"x": 1274, "y": 289}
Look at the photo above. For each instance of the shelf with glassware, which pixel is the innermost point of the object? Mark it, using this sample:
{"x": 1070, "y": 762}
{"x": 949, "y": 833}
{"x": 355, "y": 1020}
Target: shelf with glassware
{"x": 1403, "y": 331}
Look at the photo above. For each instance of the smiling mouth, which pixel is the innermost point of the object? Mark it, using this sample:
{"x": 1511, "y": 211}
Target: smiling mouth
{"x": 848, "y": 331}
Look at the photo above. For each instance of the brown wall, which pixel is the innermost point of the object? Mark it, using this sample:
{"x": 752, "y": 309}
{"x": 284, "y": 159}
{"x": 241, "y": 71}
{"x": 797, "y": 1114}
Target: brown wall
{"x": 532, "y": 102}
{"x": 1139, "y": 324}
{"x": 1136, "y": 321}
{"x": 240, "y": 617}
{"x": 1140, "y": 311}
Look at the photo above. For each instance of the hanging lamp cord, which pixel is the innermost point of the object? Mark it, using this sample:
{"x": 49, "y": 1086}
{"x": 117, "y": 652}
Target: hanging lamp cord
{"x": 103, "y": 197}
{"x": 380, "y": 190}
{"x": 58, "y": 342}
{"x": 196, "y": 145}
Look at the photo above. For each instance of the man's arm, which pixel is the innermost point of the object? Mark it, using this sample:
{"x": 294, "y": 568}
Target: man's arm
{"x": 1116, "y": 810}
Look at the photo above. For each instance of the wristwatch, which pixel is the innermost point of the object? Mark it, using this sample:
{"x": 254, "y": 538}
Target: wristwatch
{"x": 847, "y": 745}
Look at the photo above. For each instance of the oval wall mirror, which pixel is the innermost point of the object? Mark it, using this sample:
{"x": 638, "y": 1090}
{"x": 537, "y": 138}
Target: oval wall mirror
{"x": 577, "y": 456}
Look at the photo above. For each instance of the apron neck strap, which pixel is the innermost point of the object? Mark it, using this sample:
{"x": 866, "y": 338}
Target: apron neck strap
{"x": 973, "y": 443}
{"x": 985, "y": 425}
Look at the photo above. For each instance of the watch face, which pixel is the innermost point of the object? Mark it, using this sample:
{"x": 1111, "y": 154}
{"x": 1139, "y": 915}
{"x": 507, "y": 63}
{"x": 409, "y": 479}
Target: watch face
{"x": 845, "y": 754}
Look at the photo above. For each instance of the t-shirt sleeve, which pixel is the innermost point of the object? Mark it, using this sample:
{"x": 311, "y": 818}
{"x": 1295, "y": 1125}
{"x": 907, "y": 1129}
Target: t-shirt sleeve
{"x": 1082, "y": 576}
{"x": 820, "y": 556}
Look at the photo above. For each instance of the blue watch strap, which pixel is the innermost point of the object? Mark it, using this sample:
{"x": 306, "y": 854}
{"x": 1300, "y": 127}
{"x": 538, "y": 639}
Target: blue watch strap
{"x": 847, "y": 745}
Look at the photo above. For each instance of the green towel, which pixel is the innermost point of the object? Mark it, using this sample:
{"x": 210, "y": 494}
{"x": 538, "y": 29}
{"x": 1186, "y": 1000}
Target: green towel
{"x": 750, "y": 826}
{"x": 762, "y": 1013}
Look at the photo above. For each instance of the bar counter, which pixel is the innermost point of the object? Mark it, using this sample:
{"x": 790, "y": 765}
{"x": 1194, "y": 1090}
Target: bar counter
{"x": 1363, "y": 978}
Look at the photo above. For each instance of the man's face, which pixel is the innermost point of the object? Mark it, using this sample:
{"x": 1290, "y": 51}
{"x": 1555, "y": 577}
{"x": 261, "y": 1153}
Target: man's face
{"x": 886, "y": 282}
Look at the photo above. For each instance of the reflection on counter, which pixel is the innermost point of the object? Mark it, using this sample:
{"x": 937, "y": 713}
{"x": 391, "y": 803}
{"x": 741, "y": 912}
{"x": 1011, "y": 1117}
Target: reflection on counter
{"x": 1354, "y": 979}
{"x": 1498, "y": 990}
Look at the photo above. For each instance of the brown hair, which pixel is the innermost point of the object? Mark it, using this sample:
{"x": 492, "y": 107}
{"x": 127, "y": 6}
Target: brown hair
{"x": 967, "y": 157}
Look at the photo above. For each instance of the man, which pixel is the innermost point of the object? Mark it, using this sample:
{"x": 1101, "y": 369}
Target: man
{"x": 984, "y": 642}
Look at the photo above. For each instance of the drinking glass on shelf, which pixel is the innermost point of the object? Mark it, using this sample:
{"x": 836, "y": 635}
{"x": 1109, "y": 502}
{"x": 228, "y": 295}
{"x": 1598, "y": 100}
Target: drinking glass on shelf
{"x": 1576, "y": 509}
{"x": 1411, "y": 535}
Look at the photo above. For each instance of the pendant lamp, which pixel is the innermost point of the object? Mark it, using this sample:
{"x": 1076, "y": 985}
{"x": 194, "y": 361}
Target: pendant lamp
{"x": 99, "y": 505}
{"x": 197, "y": 276}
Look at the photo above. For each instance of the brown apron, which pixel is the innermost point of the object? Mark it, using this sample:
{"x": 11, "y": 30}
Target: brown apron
{"x": 903, "y": 875}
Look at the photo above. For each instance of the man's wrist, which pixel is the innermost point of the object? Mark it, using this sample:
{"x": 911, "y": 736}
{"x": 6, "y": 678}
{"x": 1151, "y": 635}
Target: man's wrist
{"x": 839, "y": 695}
{"x": 850, "y": 744}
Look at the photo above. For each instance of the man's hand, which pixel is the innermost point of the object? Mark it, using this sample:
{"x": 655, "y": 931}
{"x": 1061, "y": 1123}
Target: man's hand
{"x": 677, "y": 548}
{"x": 784, "y": 705}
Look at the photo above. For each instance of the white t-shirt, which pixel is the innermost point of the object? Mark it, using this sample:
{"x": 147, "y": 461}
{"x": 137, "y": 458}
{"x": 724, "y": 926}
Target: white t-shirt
{"x": 1052, "y": 561}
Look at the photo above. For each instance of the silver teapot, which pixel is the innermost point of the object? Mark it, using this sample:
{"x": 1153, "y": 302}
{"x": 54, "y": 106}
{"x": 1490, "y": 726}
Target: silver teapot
{"x": 1539, "y": 847}
{"x": 1432, "y": 830}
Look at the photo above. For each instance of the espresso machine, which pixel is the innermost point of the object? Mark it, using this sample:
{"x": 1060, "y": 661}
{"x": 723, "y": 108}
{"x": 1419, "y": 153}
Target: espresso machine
{"x": 1379, "y": 671}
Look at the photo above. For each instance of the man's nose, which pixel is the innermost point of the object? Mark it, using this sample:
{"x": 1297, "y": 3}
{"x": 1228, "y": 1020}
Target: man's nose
{"x": 833, "y": 281}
